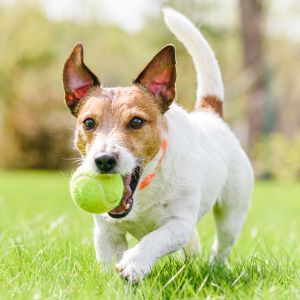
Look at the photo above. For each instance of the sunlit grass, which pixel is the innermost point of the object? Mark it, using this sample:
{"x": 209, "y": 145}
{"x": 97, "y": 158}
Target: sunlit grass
{"x": 46, "y": 249}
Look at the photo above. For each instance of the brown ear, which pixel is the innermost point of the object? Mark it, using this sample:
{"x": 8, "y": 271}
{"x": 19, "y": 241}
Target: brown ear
{"x": 159, "y": 76}
{"x": 78, "y": 79}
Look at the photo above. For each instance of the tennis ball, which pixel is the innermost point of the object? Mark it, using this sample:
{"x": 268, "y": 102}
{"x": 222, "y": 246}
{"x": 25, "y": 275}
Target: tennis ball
{"x": 96, "y": 193}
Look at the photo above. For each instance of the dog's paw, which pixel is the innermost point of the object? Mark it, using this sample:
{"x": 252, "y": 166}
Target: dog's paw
{"x": 134, "y": 265}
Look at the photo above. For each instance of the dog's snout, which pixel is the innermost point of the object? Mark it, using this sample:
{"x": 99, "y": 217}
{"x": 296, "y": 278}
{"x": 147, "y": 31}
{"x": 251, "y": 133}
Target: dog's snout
{"x": 106, "y": 162}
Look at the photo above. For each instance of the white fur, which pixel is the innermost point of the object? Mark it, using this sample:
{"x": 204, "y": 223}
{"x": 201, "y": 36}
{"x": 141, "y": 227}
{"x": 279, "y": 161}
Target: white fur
{"x": 204, "y": 168}
{"x": 109, "y": 142}
{"x": 209, "y": 77}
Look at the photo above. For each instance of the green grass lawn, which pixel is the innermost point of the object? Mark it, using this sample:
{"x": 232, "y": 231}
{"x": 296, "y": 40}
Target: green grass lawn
{"x": 46, "y": 249}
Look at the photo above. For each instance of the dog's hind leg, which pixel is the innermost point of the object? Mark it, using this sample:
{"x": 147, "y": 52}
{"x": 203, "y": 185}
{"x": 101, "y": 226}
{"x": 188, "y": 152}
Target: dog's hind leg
{"x": 192, "y": 247}
{"x": 229, "y": 219}
{"x": 231, "y": 211}
{"x": 228, "y": 226}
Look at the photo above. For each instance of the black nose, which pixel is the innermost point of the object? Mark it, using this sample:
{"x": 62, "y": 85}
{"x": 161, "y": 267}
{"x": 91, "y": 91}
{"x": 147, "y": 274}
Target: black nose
{"x": 106, "y": 162}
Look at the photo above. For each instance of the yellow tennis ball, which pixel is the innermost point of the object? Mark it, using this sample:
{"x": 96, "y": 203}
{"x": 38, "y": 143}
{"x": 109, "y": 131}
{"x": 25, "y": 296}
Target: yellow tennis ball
{"x": 97, "y": 193}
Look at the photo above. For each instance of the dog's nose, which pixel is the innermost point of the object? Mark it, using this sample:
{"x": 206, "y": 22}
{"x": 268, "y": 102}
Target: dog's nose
{"x": 106, "y": 162}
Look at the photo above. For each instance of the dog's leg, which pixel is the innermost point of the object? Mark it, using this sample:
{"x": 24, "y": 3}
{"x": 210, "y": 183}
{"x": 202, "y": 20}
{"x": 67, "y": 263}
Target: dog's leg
{"x": 192, "y": 248}
{"x": 172, "y": 236}
{"x": 231, "y": 212}
{"x": 229, "y": 221}
{"x": 109, "y": 241}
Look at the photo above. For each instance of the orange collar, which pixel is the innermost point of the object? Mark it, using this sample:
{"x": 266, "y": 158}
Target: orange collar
{"x": 148, "y": 179}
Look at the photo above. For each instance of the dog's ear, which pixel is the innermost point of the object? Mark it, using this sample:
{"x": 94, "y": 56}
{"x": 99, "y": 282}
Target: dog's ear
{"x": 159, "y": 76}
{"x": 78, "y": 79}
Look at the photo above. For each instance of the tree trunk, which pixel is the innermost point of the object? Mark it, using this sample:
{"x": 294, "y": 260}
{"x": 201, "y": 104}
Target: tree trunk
{"x": 251, "y": 36}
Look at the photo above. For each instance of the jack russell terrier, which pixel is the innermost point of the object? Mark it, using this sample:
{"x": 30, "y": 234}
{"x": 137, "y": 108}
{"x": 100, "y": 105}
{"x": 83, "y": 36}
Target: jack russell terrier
{"x": 176, "y": 166}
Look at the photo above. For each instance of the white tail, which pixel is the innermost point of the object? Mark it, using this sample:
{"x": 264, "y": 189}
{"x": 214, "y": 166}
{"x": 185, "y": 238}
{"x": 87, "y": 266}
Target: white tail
{"x": 209, "y": 79}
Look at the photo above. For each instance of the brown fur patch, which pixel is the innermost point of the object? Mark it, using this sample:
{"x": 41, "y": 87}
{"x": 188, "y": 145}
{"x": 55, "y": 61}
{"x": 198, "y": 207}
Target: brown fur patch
{"x": 211, "y": 103}
{"x": 112, "y": 109}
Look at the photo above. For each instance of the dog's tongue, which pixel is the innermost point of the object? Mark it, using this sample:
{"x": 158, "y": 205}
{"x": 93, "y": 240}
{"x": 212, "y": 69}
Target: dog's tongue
{"x": 123, "y": 206}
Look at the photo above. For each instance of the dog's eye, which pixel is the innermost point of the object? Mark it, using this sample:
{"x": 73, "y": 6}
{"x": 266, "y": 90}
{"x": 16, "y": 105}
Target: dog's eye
{"x": 89, "y": 123}
{"x": 136, "y": 123}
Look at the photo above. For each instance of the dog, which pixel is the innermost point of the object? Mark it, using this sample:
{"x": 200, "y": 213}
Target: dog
{"x": 176, "y": 166}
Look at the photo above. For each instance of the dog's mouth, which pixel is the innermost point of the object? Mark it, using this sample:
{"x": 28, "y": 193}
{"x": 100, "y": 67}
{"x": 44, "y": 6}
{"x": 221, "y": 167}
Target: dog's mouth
{"x": 126, "y": 204}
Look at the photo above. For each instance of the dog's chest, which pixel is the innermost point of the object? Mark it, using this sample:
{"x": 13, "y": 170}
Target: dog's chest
{"x": 148, "y": 218}
{"x": 152, "y": 207}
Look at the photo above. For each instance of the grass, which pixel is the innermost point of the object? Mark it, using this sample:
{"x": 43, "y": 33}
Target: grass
{"x": 46, "y": 249}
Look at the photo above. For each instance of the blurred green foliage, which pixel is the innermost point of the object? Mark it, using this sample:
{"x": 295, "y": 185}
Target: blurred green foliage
{"x": 36, "y": 128}
{"x": 278, "y": 156}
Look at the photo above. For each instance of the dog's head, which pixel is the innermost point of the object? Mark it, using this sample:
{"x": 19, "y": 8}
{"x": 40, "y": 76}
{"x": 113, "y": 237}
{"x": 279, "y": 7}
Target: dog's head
{"x": 119, "y": 130}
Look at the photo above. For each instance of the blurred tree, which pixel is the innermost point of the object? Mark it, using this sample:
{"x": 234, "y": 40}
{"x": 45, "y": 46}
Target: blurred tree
{"x": 252, "y": 38}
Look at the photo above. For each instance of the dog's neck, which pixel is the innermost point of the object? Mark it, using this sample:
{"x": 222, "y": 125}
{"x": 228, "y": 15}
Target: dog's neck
{"x": 165, "y": 160}
{"x": 148, "y": 179}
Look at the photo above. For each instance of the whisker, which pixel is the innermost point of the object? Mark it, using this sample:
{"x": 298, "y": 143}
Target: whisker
{"x": 71, "y": 158}
{"x": 77, "y": 161}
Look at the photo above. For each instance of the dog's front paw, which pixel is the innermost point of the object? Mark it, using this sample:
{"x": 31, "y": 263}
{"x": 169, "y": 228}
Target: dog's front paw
{"x": 134, "y": 265}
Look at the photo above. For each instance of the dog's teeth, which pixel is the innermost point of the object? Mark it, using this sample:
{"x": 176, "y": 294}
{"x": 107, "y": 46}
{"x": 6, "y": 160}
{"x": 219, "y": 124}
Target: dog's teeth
{"x": 127, "y": 205}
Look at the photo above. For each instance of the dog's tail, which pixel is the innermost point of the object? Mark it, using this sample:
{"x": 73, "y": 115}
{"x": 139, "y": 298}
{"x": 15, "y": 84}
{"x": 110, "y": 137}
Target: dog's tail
{"x": 210, "y": 89}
